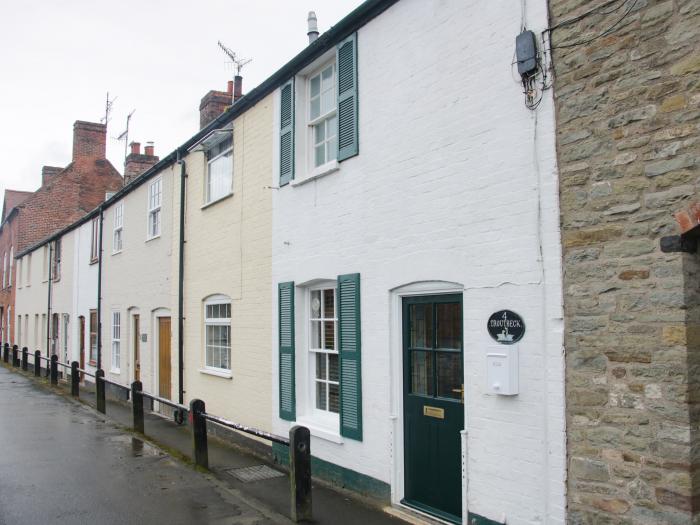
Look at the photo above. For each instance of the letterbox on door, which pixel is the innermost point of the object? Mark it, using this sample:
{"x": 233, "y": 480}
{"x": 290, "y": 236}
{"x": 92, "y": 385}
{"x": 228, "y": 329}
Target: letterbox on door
{"x": 502, "y": 370}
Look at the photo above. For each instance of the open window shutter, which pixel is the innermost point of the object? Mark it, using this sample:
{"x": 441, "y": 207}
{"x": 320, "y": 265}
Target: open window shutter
{"x": 349, "y": 348}
{"x": 346, "y": 58}
{"x": 286, "y": 351}
{"x": 287, "y": 132}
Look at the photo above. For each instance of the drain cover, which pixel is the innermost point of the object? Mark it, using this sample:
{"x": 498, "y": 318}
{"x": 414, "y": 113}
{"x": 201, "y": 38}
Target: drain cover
{"x": 254, "y": 473}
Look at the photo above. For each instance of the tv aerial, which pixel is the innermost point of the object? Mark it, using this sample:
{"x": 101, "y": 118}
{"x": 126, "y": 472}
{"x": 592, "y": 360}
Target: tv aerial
{"x": 237, "y": 62}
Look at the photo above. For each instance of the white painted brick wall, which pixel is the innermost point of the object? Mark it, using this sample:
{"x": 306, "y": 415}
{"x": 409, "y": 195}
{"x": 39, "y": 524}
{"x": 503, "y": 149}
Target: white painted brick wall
{"x": 445, "y": 187}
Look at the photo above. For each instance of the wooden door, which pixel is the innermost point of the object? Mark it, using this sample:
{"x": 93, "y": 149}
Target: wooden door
{"x": 164, "y": 357}
{"x": 137, "y": 348}
{"x": 433, "y": 404}
{"x": 81, "y": 321}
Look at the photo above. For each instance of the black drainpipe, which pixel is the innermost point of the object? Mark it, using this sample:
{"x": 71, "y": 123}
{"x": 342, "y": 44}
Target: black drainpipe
{"x": 99, "y": 296}
{"x": 181, "y": 286}
{"x": 48, "y": 309}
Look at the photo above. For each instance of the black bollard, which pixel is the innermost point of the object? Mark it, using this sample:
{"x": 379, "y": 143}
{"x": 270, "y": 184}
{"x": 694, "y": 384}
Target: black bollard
{"x": 15, "y": 355}
{"x": 137, "y": 406}
{"x": 54, "y": 369}
{"x": 300, "y": 472}
{"x": 25, "y": 358}
{"x": 199, "y": 433}
{"x": 74, "y": 379}
{"x": 100, "y": 391}
{"x": 37, "y": 363}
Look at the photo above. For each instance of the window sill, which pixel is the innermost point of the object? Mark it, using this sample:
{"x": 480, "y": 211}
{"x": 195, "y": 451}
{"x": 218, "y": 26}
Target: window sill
{"x": 321, "y": 171}
{"x": 216, "y": 373}
{"x": 148, "y": 239}
{"x": 115, "y": 371}
{"x": 93, "y": 261}
{"x": 211, "y": 203}
{"x": 320, "y": 431}
{"x": 117, "y": 252}
{"x": 92, "y": 363}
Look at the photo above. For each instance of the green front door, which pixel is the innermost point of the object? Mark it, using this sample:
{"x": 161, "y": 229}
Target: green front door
{"x": 433, "y": 404}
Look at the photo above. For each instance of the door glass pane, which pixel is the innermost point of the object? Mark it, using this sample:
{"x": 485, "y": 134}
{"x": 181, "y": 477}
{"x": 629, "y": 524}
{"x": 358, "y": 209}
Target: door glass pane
{"x": 422, "y": 373}
{"x": 421, "y": 325}
{"x": 449, "y": 374}
{"x": 449, "y": 325}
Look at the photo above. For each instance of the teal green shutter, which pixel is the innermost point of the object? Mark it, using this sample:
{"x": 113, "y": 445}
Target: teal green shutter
{"x": 350, "y": 348}
{"x": 346, "y": 58}
{"x": 287, "y": 132}
{"x": 286, "y": 351}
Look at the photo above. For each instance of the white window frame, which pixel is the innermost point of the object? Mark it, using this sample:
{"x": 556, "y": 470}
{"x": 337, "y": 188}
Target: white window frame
{"x": 326, "y": 117}
{"x": 323, "y": 422}
{"x": 154, "y": 204}
{"x": 118, "y": 228}
{"x": 116, "y": 341}
{"x": 45, "y": 263}
{"x": 217, "y": 321}
{"x": 94, "y": 240}
{"x": 228, "y": 152}
{"x": 56, "y": 263}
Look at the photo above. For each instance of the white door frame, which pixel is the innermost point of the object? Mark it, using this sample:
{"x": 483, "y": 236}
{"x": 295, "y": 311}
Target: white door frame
{"x": 396, "y": 369}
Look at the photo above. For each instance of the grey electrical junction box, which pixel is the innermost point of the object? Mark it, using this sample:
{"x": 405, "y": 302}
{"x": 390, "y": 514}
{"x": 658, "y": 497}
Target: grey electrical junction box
{"x": 526, "y": 53}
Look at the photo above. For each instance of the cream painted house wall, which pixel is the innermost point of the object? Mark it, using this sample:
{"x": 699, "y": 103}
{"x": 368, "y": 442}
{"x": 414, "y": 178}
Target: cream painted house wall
{"x": 228, "y": 252}
{"x": 136, "y": 281}
{"x": 31, "y": 298}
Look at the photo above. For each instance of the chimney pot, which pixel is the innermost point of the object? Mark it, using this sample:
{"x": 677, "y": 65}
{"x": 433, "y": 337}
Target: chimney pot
{"x": 149, "y": 149}
{"x": 313, "y": 27}
{"x": 237, "y": 87}
{"x": 135, "y": 148}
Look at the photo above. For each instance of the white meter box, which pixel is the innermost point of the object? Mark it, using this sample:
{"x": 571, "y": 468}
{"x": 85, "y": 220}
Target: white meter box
{"x": 502, "y": 370}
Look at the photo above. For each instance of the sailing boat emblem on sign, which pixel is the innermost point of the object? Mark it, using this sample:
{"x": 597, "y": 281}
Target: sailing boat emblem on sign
{"x": 506, "y": 327}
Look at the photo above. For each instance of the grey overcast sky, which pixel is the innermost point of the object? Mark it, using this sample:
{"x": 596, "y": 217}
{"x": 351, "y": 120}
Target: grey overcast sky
{"x": 59, "y": 58}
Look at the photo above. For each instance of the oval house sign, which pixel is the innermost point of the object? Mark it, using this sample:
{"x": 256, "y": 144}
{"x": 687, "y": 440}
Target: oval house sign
{"x": 506, "y": 327}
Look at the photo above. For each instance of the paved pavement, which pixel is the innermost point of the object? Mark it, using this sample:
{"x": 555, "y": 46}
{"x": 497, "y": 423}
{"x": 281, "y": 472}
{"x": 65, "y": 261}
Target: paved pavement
{"x": 54, "y": 446}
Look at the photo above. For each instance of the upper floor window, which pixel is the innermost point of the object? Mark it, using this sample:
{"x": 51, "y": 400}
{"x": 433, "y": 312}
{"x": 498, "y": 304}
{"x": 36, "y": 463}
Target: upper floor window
{"x": 117, "y": 237}
{"x": 217, "y": 328}
{"x": 4, "y": 270}
{"x": 155, "y": 195}
{"x": 56, "y": 263}
{"x": 28, "y": 271}
{"x": 322, "y": 117}
{"x": 45, "y": 263}
{"x": 219, "y": 182}
{"x": 95, "y": 240}
{"x": 11, "y": 263}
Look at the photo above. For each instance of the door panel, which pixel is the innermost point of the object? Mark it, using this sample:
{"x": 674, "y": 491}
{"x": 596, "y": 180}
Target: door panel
{"x": 137, "y": 348}
{"x": 433, "y": 404}
{"x": 164, "y": 357}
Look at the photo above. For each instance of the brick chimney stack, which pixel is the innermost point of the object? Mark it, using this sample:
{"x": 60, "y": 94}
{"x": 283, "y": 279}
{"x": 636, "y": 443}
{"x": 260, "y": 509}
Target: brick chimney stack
{"x": 214, "y": 104}
{"x": 89, "y": 141}
{"x": 48, "y": 173}
{"x": 237, "y": 88}
{"x": 136, "y": 163}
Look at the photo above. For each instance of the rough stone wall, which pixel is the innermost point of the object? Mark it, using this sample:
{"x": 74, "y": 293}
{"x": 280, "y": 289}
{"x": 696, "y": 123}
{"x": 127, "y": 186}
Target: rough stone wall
{"x": 628, "y": 112}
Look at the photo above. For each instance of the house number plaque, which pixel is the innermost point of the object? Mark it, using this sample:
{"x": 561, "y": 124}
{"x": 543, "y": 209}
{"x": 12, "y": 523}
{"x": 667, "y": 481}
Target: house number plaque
{"x": 506, "y": 327}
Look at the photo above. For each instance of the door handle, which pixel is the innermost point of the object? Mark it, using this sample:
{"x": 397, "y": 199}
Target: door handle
{"x": 461, "y": 392}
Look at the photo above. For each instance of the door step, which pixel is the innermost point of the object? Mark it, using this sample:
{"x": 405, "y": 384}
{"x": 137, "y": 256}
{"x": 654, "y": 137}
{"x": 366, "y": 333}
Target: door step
{"x": 413, "y": 516}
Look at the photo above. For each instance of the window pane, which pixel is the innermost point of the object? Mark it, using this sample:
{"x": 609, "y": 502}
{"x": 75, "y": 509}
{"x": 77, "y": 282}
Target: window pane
{"x": 321, "y": 368}
{"x": 316, "y": 304}
{"x": 421, "y": 323}
{"x": 333, "y": 398}
{"x": 315, "y": 107}
{"x": 422, "y": 373}
{"x": 329, "y": 335}
{"x": 327, "y": 101}
{"x": 333, "y": 367}
{"x": 320, "y": 132}
{"x": 320, "y": 155}
{"x": 316, "y": 335}
{"x": 315, "y": 85}
{"x": 329, "y": 303}
{"x": 449, "y": 368}
{"x": 321, "y": 396}
{"x": 449, "y": 325}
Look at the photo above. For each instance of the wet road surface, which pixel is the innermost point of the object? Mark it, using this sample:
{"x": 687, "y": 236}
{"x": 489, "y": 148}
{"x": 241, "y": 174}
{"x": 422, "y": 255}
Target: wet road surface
{"x": 62, "y": 464}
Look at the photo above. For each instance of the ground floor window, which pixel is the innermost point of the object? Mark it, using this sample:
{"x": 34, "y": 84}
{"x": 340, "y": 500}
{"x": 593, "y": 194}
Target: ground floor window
{"x": 116, "y": 340}
{"x": 217, "y": 328}
{"x": 93, "y": 336}
{"x": 323, "y": 350}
